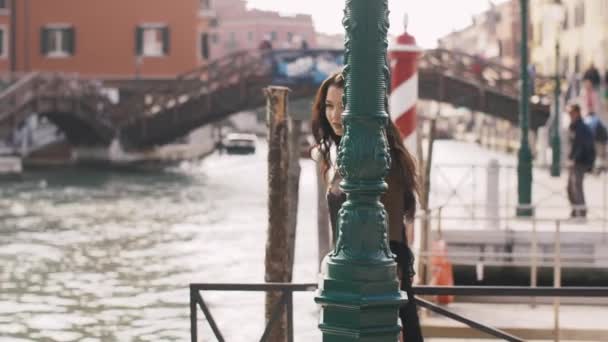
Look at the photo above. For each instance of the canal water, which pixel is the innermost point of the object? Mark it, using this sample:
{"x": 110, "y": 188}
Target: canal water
{"x": 88, "y": 255}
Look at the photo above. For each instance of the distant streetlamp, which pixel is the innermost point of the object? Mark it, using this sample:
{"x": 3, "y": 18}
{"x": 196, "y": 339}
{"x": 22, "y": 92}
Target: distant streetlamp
{"x": 554, "y": 16}
{"x": 524, "y": 160}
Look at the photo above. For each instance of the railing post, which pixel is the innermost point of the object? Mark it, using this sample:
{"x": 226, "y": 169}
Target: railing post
{"x": 534, "y": 258}
{"x": 473, "y": 191}
{"x": 605, "y": 205}
{"x": 493, "y": 194}
{"x": 360, "y": 295}
{"x": 193, "y": 316}
{"x": 289, "y": 316}
{"x": 557, "y": 279}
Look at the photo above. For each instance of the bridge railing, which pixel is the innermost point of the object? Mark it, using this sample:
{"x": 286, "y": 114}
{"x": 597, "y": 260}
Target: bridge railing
{"x": 202, "y": 81}
{"x": 491, "y": 74}
{"x": 286, "y": 305}
{"x": 38, "y": 86}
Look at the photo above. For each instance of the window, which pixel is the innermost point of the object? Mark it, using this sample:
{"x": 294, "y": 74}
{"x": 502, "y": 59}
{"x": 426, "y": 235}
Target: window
{"x": 579, "y": 14}
{"x": 250, "y": 36}
{"x": 57, "y": 41}
{"x": 232, "y": 44}
{"x": 206, "y": 5}
{"x": 204, "y": 46}
{"x": 215, "y": 38}
{"x": 565, "y": 66}
{"x": 3, "y": 4}
{"x": 152, "y": 40}
{"x": 3, "y": 41}
{"x": 290, "y": 37}
{"x": 273, "y": 35}
{"x": 566, "y": 17}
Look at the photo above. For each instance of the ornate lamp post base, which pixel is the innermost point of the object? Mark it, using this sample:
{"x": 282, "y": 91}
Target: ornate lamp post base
{"x": 362, "y": 305}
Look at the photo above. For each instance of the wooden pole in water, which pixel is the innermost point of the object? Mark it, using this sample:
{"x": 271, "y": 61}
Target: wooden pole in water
{"x": 278, "y": 254}
{"x": 324, "y": 235}
{"x": 424, "y": 262}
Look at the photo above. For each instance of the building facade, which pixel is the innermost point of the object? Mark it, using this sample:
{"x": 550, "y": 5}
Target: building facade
{"x": 583, "y": 36}
{"x": 239, "y": 28}
{"x": 330, "y": 41}
{"x": 103, "y": 39}
{"x": 493, "y": 35}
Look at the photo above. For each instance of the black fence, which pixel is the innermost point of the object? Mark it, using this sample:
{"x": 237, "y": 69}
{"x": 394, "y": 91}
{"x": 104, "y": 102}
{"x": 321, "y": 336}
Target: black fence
{"x": 287, "y": 289}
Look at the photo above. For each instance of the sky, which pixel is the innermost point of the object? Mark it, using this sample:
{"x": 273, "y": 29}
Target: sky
{"x": 429, "y": 19}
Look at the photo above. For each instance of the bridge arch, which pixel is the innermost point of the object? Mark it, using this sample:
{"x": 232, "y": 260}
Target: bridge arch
{"x": 234, "y": 83}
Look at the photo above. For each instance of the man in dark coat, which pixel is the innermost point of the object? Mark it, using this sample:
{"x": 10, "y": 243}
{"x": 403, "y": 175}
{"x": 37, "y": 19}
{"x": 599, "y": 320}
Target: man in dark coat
{"x": 580, "y": 158}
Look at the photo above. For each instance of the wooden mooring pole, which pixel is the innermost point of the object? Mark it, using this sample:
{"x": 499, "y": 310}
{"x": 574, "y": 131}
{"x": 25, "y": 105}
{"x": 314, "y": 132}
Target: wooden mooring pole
{"x": 424, "y": 261}
{"x": 283, "y": 181}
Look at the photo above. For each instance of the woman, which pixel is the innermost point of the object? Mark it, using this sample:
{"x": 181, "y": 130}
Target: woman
{"x": 399, "y": 200}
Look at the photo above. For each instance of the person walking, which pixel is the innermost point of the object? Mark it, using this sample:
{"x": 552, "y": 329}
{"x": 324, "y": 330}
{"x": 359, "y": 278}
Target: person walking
{"x": 592, "y": 75}
{"x": 580, "y": 160}
{"x": 600, "y": 137}
{"x": 399, "y": 200}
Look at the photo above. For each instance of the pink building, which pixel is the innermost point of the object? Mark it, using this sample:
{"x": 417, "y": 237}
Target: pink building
{"x": 239, "y": 28}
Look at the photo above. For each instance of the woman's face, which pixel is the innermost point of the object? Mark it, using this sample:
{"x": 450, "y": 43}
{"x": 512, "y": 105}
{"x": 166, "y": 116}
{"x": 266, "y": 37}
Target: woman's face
{"x": 334, "y": 109}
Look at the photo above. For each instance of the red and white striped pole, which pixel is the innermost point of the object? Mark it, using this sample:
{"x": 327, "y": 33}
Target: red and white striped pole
{"x": 404, "y": 86}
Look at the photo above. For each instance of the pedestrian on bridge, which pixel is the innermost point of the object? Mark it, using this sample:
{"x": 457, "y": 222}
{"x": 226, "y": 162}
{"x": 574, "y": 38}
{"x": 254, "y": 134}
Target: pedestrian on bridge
{"x": 580, "y": 160}
{"x": 399, "y": 200}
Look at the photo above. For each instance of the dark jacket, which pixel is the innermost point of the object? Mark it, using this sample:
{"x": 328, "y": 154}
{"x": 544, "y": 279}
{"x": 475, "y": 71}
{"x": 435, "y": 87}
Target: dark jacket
{"x": 582, "y": 147}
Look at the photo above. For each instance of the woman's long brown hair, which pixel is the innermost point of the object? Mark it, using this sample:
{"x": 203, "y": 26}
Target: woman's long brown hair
{"x": 324, "y": 137}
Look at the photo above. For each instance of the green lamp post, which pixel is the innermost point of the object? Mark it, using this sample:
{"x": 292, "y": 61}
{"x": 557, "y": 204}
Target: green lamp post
{"x": 524, "y": 165}
{"x": 556, "y": 143}
{"x": 360, "y": 293}
{"x": 555, "y": 13}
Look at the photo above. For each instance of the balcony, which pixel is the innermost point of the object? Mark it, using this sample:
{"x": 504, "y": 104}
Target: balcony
{"x": 207, "y": 13}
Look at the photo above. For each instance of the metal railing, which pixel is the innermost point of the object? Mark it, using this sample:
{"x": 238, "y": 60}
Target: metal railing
{"x": 287, "y": 289}
{"x": 285, "y": 303}
{"x": 463, "y": 190}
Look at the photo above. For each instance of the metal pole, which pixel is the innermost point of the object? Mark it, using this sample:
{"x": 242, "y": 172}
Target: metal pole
{"x": 193, "y": 316}
{"x": 289, "y": 294}
{"x": 534, "y": 259}
{"x": 524, "y": 166}
{"x": 605, "y": 205}
{"x": 473, "y": 192}
{"x": 557, "y": 279}
{"x": 425, "y": 234}
{"x": 493, "y": 194}
{"x": 555, "y": 136}
{"x": 360, "y": 296}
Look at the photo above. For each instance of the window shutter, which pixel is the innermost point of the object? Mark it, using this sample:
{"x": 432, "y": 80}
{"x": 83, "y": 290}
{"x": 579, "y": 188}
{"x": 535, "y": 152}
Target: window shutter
{"x": 205, "y": 46}
{"x": 70, "y": 40}
{"x": 166, "y": 41}
{"x": 2, "y": 33}
{"x": 139, "y": 41}
{"x": 44, "y": 41}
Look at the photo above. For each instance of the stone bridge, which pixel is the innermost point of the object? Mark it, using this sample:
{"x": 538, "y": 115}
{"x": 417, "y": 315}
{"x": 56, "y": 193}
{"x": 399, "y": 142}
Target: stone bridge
{"x": 151, "y": 113}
